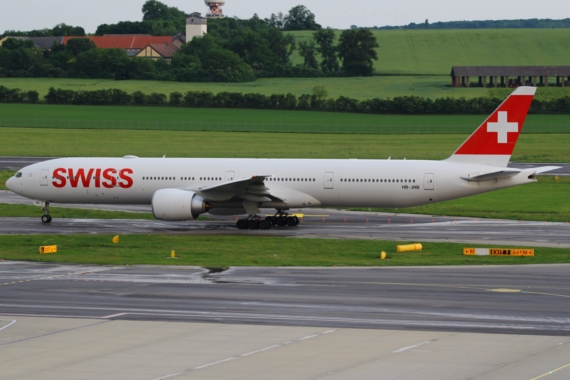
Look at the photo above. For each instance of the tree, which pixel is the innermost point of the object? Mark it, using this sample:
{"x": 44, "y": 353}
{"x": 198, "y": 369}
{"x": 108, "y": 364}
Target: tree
{"x": 325, "y": 46}
{"x": 154, "y": 10}
{"x": 276, "y": 20}
{"x": 79, "y": 45}
{"x": 320, "y": 92}
{"x": 356, "y": 51}
{"x": 307, "y": 50}
{"x": 300, "y": 18}
{"x": 67, "y": 30}
{"x": 14, "y": 44}
{"x": 426, "y": 24}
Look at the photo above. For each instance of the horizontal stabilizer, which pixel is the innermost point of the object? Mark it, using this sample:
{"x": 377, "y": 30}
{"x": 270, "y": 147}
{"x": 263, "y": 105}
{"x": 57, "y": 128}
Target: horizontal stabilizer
{"x": 544, "y": 169}
{"x": 491, "y": 176}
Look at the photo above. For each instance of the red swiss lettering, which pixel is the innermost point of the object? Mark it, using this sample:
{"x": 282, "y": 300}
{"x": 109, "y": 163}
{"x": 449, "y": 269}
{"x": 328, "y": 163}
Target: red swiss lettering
{"x": 108, "y": 175}
{"x": 98, "y": 178}
{"x": 85, "y": 179}
{"x": 128, "y": 181}
{"x": 59, "y": 178}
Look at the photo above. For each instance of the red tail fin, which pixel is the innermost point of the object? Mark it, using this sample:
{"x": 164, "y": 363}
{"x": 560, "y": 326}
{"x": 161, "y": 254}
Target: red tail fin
{"x": 494, "y": 141}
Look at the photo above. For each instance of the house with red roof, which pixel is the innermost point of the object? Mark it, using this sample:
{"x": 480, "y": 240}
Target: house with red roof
{"x": 132, "y": 43}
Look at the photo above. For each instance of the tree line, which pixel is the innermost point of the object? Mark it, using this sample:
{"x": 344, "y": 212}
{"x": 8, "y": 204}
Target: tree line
{"x": 316, "y": 101}
{"x": 484, "y": 24}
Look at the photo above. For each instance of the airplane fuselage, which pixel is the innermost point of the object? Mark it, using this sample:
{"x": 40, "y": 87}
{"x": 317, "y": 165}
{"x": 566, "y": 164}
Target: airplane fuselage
{"x": 303, "y": 182}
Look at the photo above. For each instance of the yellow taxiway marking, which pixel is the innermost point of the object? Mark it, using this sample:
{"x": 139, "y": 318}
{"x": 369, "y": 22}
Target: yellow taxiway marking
{"x": 502, "y": 290}
{"x": 551, "y": 372}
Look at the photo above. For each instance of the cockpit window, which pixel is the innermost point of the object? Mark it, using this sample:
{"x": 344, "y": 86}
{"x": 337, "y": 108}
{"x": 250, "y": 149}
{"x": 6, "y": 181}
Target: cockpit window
{"x": 19, "y": 175}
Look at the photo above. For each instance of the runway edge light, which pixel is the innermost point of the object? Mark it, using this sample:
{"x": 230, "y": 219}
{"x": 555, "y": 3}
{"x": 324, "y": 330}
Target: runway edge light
{"x": 382, "y": 255}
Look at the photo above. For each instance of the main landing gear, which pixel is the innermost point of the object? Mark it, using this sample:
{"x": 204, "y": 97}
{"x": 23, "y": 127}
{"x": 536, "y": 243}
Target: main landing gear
{"x": 280, "y": 219}
{"x": 46, "y": 218}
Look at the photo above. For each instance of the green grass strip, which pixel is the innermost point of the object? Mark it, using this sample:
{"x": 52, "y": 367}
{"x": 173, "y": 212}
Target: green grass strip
{"x": 225, "y": 251}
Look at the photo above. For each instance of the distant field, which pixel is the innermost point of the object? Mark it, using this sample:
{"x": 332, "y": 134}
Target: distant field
{"x": 102, "y": 143}
{"x": 356, "y": 87}
{"x": 435, "y": 51}
{"x": 211, "y": 119}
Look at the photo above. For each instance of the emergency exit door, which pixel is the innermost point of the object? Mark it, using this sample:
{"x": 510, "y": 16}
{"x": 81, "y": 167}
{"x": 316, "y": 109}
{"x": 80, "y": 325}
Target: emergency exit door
{"x": 429, "y": 181}
{"x": 329, "y": 180}
{"x": 230, "y": 176}
{"x": 44, "y": 177}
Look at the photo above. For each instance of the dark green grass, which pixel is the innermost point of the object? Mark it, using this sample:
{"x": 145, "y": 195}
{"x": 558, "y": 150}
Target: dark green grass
{"x": 225, "y": 251}
{"x": 546, "y": 200}
{"x": 8, "y": 210}
{"x": 4, "y": 176}
{"x": 208, "y": 119}
{"x": 435, "y": 51}
{"x": 117, "y": 143}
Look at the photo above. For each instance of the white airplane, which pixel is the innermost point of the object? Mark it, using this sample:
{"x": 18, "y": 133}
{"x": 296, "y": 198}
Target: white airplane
{"x": 183, "y": 188}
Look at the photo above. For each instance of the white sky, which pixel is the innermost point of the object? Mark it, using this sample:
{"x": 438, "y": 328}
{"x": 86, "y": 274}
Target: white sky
{"x": 38, "y": 14}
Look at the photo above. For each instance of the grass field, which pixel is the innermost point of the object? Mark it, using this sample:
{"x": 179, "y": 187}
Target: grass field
{"x": 356, "y": 87}
{"x": 249, "y": 251}
{"x": 435, "y": 51}
{"x": 118, "y": 143}
{"x": 202, "y": 119}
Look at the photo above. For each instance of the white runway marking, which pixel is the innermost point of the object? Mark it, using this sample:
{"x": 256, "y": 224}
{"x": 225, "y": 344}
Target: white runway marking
{"x": 248, "y": 354}
{"x": 412, "y": 347}
{"x": 8, "y": 325}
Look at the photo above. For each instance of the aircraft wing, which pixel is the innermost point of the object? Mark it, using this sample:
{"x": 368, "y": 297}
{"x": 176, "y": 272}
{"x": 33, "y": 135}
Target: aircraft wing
{"x": 250, "y": 189}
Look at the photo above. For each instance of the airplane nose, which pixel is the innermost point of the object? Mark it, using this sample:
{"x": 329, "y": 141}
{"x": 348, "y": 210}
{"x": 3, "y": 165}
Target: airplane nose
{"x": 8, "y": 182}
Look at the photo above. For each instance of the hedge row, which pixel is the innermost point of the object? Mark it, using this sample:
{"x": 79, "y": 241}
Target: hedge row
{"x": 409, "y": 105}
{"x": 15, "y": 95}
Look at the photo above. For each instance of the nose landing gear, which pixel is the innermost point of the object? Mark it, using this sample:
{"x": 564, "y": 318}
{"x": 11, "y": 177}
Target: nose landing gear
{"x": 46, "y": 218}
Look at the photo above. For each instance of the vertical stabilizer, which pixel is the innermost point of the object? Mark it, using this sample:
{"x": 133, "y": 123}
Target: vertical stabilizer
{"x": 494, "y": 141}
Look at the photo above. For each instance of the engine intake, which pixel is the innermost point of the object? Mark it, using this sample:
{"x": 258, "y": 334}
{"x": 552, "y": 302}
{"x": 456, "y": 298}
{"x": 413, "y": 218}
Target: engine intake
{"x": 177, "y": 205}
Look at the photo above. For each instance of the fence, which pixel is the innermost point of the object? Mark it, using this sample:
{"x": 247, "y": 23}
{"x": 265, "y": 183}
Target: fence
{"x": 262, "y": 127}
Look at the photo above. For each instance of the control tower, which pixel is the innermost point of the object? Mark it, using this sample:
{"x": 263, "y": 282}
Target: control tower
{"x": 215, "y": 8}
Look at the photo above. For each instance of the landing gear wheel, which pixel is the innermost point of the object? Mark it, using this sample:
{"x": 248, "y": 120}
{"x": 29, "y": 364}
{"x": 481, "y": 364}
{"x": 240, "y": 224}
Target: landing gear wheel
{"x": 46, "y": 219}
{"x": 291, "y": 221}
{"x": 264, "y": 225}
{"x": 297, "y": 221}
{"x": 280, "y": 221}
{"x": 253, "y": 224}
{"x": 241, "y": 224}
{"x": 270, "y": 220}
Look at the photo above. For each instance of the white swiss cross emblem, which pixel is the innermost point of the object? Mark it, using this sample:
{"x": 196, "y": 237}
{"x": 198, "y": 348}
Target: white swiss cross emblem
{"x": 502, "y": 127}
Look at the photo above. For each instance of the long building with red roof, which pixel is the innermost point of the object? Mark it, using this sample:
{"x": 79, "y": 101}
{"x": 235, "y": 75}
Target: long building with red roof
{"x": 132, "y": 43}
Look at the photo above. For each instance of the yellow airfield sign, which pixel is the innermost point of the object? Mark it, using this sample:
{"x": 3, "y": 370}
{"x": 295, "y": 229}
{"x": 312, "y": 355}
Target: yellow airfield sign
{"x": 47, "y": 249}
{"x": 498, "y": 252}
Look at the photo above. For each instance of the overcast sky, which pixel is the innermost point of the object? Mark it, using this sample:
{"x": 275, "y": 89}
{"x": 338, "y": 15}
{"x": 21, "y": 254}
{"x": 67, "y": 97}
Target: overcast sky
{"x": 39, "y": 14}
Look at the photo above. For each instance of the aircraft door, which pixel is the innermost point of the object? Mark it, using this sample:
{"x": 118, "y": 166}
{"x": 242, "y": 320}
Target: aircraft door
{"x": 329, "y": 180}
{"x": 429, "y": 181}
{"x": 44, "y": 177}
{"x": 230, "y": 176}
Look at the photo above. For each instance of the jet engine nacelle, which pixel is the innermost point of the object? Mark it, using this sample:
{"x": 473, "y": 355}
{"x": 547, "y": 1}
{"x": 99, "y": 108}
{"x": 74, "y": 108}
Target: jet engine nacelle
{"x": 177, "y": 205}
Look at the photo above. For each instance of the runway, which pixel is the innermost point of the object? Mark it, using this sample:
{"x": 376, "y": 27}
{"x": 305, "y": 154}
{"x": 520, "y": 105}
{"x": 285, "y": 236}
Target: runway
{"x": 16, "y": 163}
{"x": 530, "y": 299}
